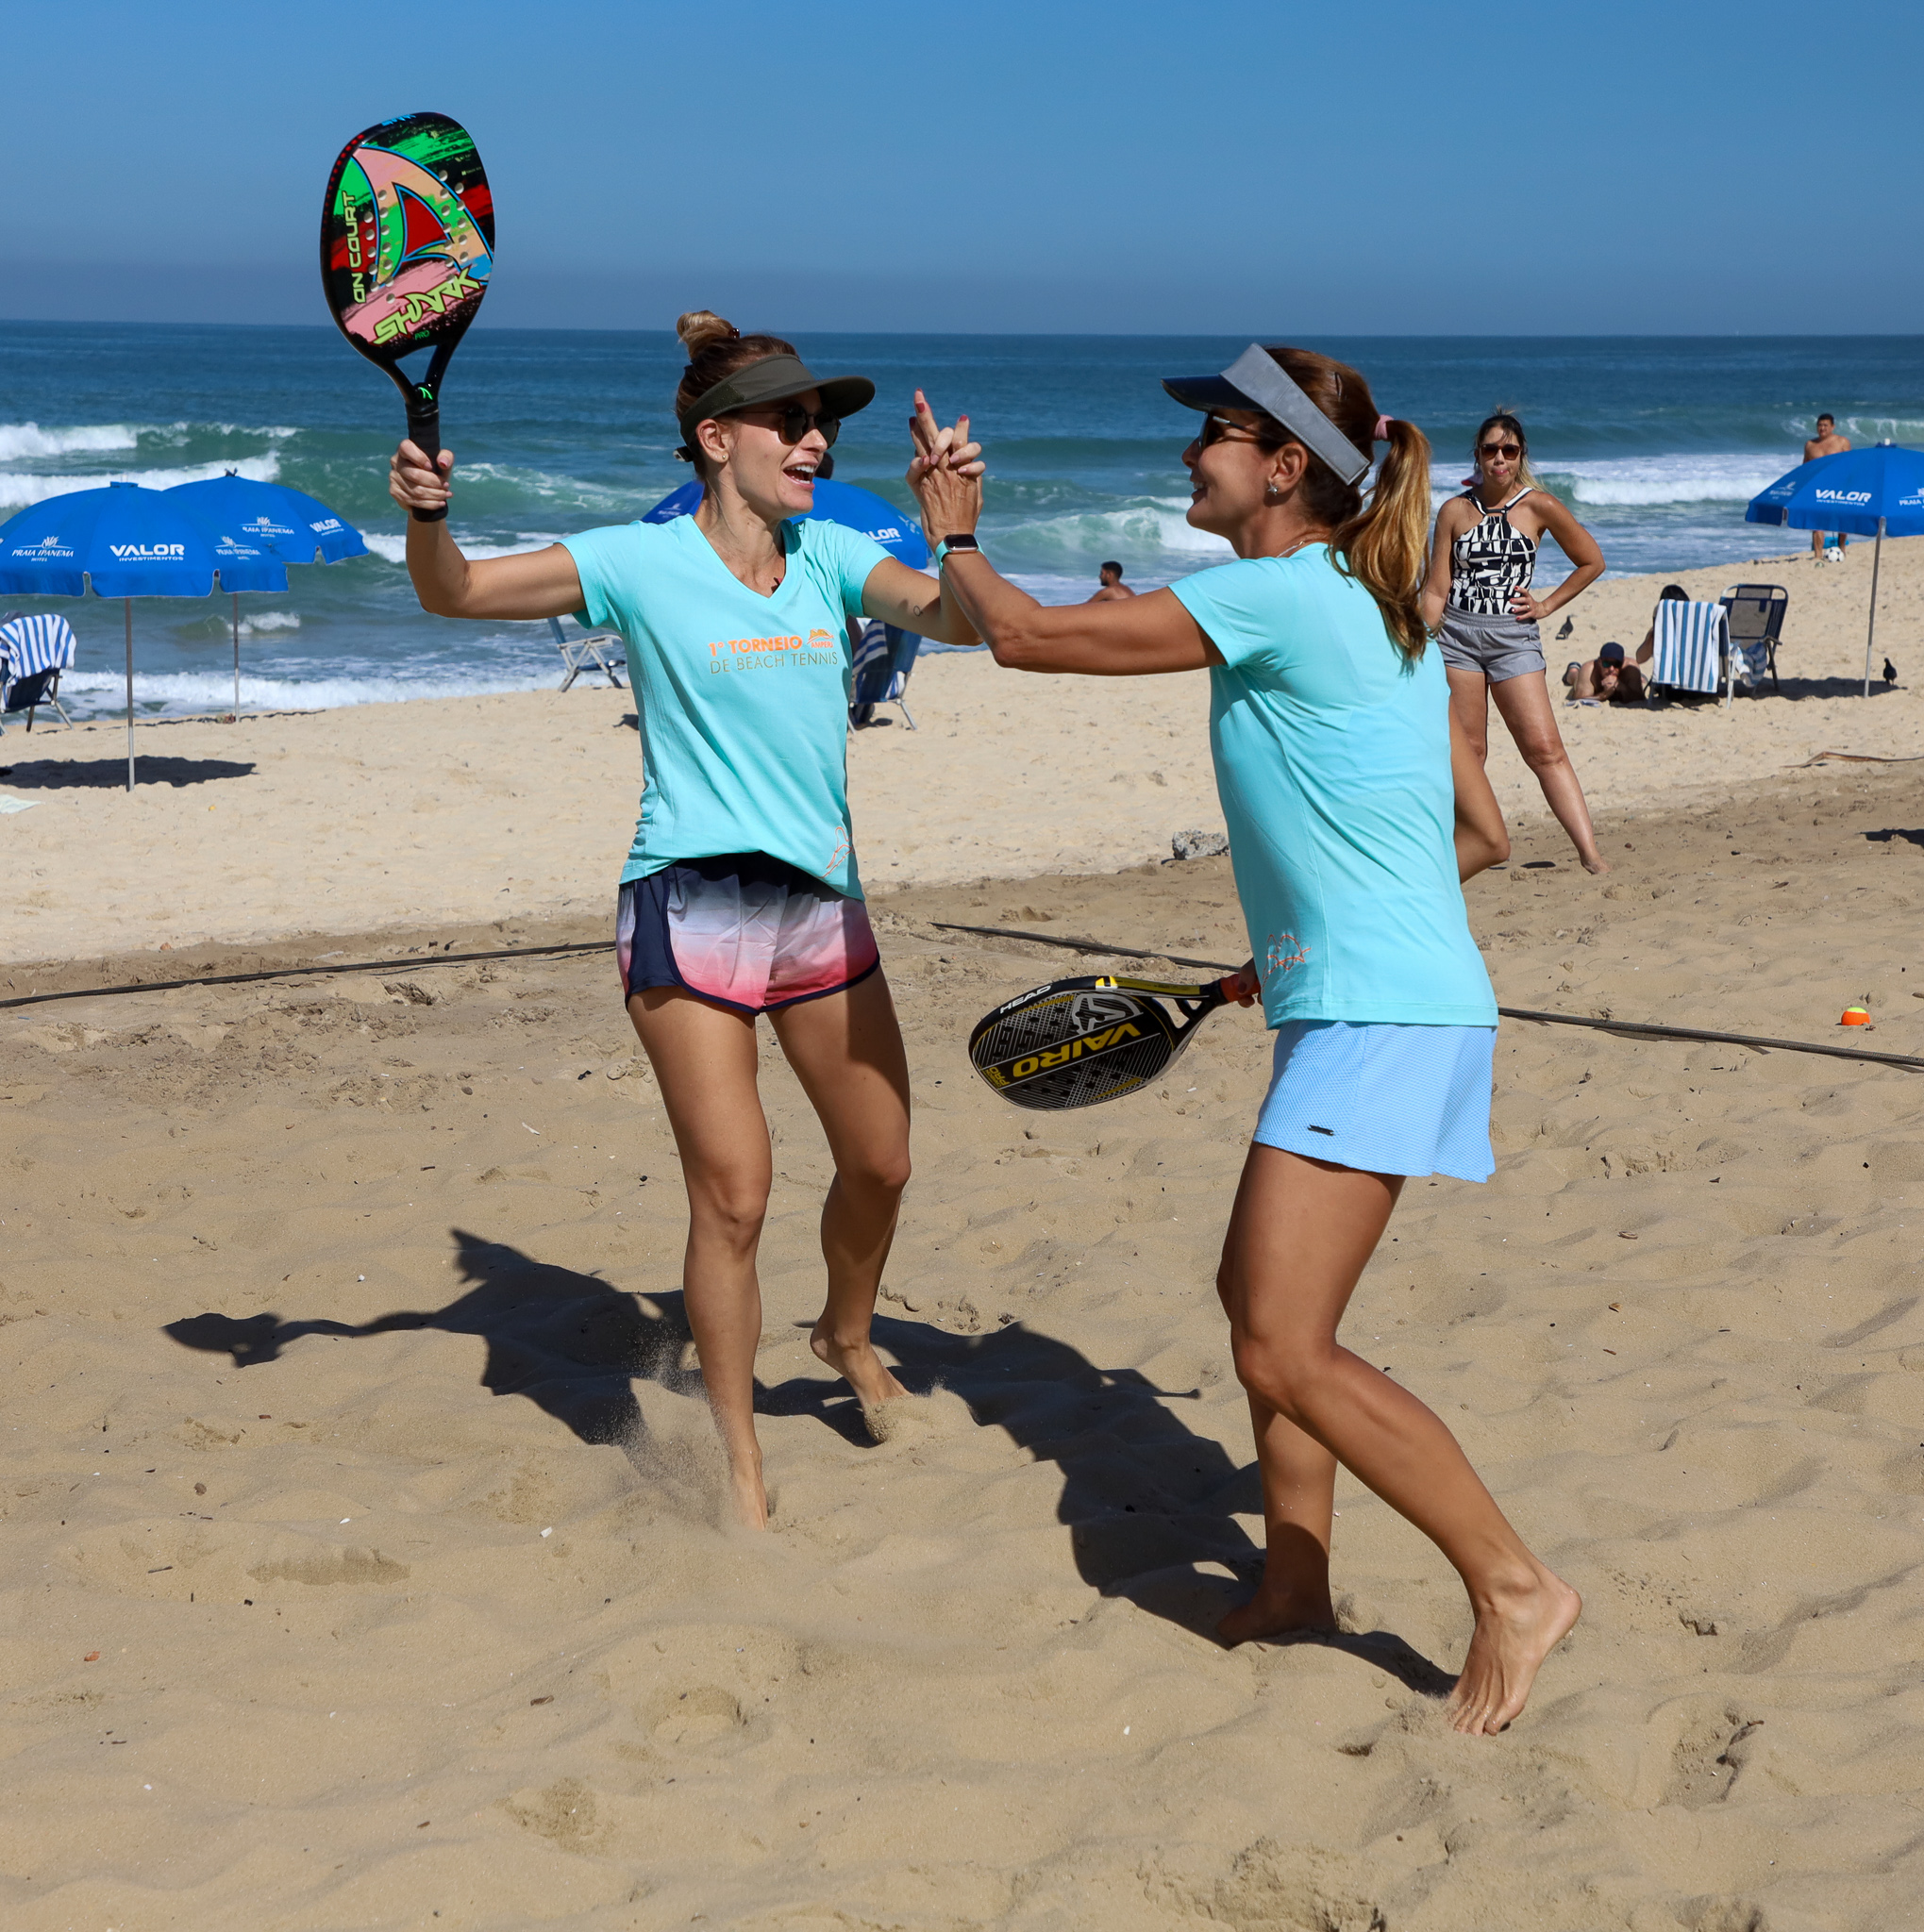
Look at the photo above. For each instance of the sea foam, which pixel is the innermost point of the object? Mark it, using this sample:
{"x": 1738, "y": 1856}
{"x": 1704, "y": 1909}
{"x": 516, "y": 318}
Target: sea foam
{"x": 20, "y": 488}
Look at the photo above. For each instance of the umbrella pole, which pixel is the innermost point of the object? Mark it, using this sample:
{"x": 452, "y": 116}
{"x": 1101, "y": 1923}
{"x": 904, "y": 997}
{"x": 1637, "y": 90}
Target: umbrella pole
{"x": 237, "y": 652}
{"x": 1876, "y": 556}
{"x": 127, "y": 604}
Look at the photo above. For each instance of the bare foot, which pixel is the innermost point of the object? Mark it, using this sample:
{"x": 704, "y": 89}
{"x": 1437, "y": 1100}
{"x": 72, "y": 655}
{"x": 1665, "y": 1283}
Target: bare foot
{"x": 1276, "y": 1611}
{"x": 1596, "y": 864}
{"x": 1513, "y": 1637}
{"x": 857, "y": 1364}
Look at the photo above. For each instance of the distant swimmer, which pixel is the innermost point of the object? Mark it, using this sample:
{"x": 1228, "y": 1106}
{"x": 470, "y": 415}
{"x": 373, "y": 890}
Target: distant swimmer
{"x": 1113, "y": 590}
{"x": 1826, "y": 442}
{"x": 1477, "y": 598}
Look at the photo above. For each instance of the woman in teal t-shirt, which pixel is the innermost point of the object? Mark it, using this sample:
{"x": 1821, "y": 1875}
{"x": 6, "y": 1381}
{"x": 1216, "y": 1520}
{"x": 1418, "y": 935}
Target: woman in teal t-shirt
{"x": 1355, "y": 809}
{"x": 741, "y": 894}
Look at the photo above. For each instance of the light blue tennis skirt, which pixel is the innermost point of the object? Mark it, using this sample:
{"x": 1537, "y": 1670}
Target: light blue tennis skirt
{"x": 1388, "y": 1099}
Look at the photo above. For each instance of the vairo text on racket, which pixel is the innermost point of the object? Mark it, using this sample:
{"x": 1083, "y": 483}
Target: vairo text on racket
{"x": 1076, "y": 1042}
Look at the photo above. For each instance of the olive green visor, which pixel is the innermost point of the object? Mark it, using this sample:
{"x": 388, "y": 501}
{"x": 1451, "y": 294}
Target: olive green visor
{"x": 774, "y": 379}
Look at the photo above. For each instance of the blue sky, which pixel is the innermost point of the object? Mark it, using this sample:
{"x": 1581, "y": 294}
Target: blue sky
{"x": 1373, "y": 167}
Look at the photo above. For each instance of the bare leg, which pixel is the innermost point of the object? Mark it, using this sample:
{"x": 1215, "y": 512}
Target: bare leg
{"x": 1300, "y": 1234}
{"x": 1298, "y": 1500}
{"x": 704, "y": 1061}
{"x": 1523, "y": 704}
{"x": 1469, "y": 699}
{"x": 846, "y": 1052}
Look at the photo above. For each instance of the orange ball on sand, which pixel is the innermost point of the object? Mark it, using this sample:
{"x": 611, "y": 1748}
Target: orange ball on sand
{"x": 1855, "y": 1016}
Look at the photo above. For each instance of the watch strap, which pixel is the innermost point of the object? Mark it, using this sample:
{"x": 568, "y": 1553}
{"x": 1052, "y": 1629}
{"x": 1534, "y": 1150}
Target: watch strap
{"x": 962, "y": 540}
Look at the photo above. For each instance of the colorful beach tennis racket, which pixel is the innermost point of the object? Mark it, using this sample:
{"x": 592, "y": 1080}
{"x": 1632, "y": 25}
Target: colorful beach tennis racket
{"x": 407, "y": 244}
{"x": 1076, "y": 1042}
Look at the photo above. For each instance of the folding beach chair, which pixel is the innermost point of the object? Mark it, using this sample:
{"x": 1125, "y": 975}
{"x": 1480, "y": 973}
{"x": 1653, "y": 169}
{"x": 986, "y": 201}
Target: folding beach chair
{"x": 1691, "y": 645}
{"x": 883, "y": 660}
{"x": 603, "y": 649}
{"x": 33, "y": 652}
{"x": 1756, "y": 617}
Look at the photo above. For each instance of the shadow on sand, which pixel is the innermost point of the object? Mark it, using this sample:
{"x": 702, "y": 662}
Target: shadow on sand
{"x": 1146, "y": 1499}
{"x": 110, "y": 775}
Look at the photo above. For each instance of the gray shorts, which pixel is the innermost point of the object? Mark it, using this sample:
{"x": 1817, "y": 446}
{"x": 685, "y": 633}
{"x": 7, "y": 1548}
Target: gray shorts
{"x": 1497, "y": 647}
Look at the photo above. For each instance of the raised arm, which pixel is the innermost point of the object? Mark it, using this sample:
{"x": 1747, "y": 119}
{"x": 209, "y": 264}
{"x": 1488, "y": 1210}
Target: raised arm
{"x": 539, "y": 583}
{"x": 911, "y": 601}
{"x": 1149, "y": 633}
{"x": 1579, "y": 545}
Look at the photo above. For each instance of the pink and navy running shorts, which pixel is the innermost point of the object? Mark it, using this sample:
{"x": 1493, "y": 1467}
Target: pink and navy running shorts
{"x": 749, "y": 932}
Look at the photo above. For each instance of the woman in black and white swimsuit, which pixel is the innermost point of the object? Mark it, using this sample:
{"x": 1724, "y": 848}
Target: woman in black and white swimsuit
{"x": 1478, "y": 599}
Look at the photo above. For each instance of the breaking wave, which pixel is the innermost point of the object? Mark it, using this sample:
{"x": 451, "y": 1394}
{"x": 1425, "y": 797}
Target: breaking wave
{"x": 21, "y": 488}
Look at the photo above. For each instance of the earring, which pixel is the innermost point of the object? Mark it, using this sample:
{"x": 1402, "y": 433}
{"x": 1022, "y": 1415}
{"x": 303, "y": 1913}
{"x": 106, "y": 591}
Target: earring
{"x": 1270, "y": 492}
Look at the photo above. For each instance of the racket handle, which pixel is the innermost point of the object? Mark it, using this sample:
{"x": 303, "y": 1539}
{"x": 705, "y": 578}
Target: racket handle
{"x": 424, "y": 431}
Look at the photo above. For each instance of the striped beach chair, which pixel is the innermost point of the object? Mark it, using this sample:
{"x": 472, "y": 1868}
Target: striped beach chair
{"x": 883, "y": 660}
{"x": 33, "y": 652}
{"x": 1690, "y": 646}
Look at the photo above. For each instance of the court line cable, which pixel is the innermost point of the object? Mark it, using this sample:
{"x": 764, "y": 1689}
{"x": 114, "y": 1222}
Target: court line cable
{"x": 1630, "y": 1028}
{"x": 405, "y": 963}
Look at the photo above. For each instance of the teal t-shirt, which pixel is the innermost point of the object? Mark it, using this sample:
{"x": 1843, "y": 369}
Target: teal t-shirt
{"x": 1333, "y": 762}
{"x": 743, "y": 699}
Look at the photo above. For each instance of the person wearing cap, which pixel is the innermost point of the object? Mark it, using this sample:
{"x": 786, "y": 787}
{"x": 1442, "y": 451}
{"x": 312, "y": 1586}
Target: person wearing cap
{"x": 1608, "y": 678}
{"x": 1355, "y": 809}
{"x": 1477, "y": 600}
{"x": 740, "y": 895}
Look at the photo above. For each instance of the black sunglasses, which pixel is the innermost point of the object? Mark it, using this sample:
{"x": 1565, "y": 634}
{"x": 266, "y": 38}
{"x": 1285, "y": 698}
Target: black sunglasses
{"x": 1218, "y": 429}
{"x": 793, "y": 422}
{"x": 1510, "y": 450}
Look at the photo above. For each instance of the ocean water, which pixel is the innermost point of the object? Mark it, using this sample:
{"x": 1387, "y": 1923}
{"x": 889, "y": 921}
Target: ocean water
{"x": 1656, "y": 443}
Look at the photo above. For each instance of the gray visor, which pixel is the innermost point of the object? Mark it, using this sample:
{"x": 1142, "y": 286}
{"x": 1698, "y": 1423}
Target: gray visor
{"x": 1255, "y": 380}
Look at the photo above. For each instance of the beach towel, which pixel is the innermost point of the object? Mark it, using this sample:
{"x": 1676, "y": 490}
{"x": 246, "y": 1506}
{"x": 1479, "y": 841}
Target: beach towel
{"x": 1690, "y": 641}
{"x": 36, "y": 643}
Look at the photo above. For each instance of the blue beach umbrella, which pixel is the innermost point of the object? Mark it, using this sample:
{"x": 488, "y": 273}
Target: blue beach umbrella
{"x": 835, "y": 503}
{"x": 286, "y": 522}
{"x": 126, "y": 542}
{"x": 1871, "y": 492}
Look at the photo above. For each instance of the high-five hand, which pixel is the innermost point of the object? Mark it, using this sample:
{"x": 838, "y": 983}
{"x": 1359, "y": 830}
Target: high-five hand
{"x": 946, "y": 472}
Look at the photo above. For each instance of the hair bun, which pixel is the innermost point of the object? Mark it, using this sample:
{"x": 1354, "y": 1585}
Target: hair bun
{"x": 701, "y": 329}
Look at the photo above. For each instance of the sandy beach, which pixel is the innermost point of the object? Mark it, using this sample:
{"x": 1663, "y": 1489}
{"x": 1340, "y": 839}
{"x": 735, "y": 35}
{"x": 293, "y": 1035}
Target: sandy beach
{"x": 472, "y": 810}
{"x": 420, "y": 1614}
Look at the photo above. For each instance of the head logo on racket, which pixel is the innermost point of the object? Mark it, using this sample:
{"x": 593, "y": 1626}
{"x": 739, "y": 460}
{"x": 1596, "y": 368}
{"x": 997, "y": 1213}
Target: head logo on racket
{"x": 1076, "y": 1042}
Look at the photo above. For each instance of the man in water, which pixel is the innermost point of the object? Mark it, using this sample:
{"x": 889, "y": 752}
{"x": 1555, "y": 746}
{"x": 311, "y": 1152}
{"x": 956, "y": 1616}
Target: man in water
{"x": 1826, "y": 442}
{"x": 1113, "y": 590}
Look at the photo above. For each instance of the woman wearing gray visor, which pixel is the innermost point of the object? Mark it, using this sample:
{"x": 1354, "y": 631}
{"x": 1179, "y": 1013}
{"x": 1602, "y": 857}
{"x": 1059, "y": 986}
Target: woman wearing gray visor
{"x": 1477, "y": 598}
{"x": 1355, "y": 811}
{"x": 741, "y": 896}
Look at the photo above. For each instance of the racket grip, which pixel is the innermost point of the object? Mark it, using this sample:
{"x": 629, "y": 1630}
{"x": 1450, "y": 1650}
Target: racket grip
{"x": 424, "y": 431}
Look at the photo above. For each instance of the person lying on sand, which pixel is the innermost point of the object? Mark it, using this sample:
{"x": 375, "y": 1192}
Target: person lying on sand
{"x": 1356, "y": 805}
{"x": 740, "y": 895}
{"x": 1608, "y": 678}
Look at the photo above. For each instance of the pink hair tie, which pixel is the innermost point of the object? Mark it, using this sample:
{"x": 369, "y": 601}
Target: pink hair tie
{"x": 1382, "y": 431}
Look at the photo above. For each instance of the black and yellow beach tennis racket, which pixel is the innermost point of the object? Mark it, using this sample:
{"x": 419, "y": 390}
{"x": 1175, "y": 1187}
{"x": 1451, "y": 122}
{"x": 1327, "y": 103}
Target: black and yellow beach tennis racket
{"x": 1076, "y": 1042}
{"x": 407, "y": 247}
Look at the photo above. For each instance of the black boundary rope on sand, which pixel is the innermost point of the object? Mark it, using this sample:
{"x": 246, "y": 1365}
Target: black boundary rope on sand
{"x": 409, "y": 962}
{"x": 404, "y": 963}
{"x": 1633, "y": 1028}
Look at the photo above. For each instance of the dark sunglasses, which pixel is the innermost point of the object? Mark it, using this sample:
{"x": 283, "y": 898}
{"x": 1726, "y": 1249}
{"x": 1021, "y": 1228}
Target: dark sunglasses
{"x": 1512, "y": 450}
{"x": 1215, "y": 429}
{"x": 792, "y": 421}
